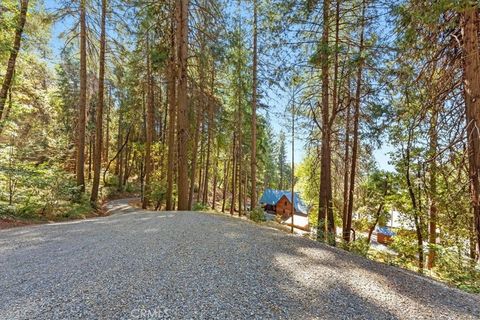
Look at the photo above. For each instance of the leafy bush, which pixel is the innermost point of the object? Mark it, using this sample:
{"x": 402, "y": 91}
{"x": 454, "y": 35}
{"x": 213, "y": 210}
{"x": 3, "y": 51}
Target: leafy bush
{"x": 405, "y": 244}
{"x": 360, "y": 246}
{"x": 198, "y": 206}
{"x": 257, "y": 215}
{"x": 158, "y": 193}
{"x": 37, "y": 191}
{"x": 361, "y": 224}
{"x": 457, "y": 269}
{"x": 78, "y": 211}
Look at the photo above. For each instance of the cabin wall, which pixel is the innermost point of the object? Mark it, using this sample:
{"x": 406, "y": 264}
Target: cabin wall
{"x": 283, "y": 207}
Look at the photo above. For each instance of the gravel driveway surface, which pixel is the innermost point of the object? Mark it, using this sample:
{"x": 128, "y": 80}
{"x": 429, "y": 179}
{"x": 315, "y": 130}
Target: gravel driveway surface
{"x": 158, "y": 265}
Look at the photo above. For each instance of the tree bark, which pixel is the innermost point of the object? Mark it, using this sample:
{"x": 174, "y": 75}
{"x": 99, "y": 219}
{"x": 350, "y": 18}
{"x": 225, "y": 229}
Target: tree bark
{"x": 215, "y": 175}
{"x": 234, "y": 173}
{"x": 107, "y": 129}
{"x": 346, "y": 173}
{"x": 81, "y": 124}
{"x": 120, "y": 148}
{"x": 171, "y": 118}
{"x": 253, "y": 195}
{"x": 472, "y": 102}
{"x": 182, "y": 134}
{"x": 193, "y": 171}
{"x": 226, "y": 168}
{"x": 356, "y": 120}
{"x": 7, "y": 80}
{"x": 432, "y": 225}
{"x": 209, "y": 105}
{"x": 200, "y": 171}
{"x": 150, "y": 123}
{"x": 325, "y": 208}
{"x": 97, "y": 161}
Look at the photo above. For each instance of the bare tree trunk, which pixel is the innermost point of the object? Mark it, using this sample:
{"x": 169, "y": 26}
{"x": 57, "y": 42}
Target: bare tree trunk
{"x": 97, "y": 163}
{"x": 234, "y": 173}
{"x": 472, "y": 102}
{"x": 182, "y": 36}
{"x": 6, "y": 111}
{"x": 415, "y": 206}
{"x": 239, "y": 178}
{"x": 127, "y": 166}
{"x": 356, "y": 119}
{"x": 206, "y": 172}
{"x": 107, "y": 129}
{"x": 432, "y": 225}
{"x": 90, "y": 156}
{"x": 80, "y": 165}
{"x": 325, "y": 208}
{"x": 200, "y": 173}
{"x": 226, "y": 169}
{"x": 253, "y": 196}
{"x": 215, "y": 175}
{"x": 207, "y": 162}
{"x": 171, "y": 87}
{"x": 346, "y": 173}
{"x": 120, "y": 148}
{"x": 193, "y": 172}
{"x": 7, "y": 80}
{"x": 150, "y": 123}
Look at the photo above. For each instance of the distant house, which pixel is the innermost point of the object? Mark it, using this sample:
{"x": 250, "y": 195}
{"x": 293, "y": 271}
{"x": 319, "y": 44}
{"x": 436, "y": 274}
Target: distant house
{"x": 280, "y": 202}
{"x": 384, "y": 235}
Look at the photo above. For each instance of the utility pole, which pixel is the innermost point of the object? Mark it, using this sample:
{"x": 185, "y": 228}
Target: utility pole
{"x": 293, "y": 157}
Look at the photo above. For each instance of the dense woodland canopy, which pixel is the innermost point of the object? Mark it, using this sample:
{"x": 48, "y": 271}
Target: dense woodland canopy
{"x": 178, "y": 100}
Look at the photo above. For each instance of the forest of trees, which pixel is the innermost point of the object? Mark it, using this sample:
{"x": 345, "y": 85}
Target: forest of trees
{"x": 189, "y": 105}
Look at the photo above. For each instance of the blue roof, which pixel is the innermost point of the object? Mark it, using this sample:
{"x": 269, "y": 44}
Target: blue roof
{"x": 386, "y": 231}
{"x": 271, "y": 197}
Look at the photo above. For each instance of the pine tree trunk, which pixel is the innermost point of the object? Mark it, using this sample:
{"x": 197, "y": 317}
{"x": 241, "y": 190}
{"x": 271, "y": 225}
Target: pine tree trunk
{"x": 193, "y": 171}
{"x": 432, "y": 225}
{"x": 207, "y": 162}
{"x": 120, "y": 150}
{"x": 7, "y": 80}
{"x": 81, "y": 124}
{"x": 90, "y": 156}
{"x": 171, "y": 87}
{"x": 150, "y": 123}
{"x": 97, "y": 163}
{"x": 239, "y": 177}
{"x": 472, "y": 102}
{"x": 325, "y": 200}
{"x": 253, "y": 193}
{"x": 226, "y": 168}
{"x": 182, "y": 134}
{"x": 107, "y": 129}
{"x": 346, "y": 174}
{"x": 234, "y": 173}
{"x": 215, "y": 175}
{"x": 356, "y": 120}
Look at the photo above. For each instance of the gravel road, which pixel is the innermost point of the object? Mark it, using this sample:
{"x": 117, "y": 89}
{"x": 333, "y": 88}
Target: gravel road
{"x": 186, "y": 265}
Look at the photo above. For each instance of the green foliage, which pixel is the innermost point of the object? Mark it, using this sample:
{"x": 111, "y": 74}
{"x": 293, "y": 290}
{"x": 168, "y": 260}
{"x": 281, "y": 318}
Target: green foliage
{"x": 78, "y": 210}
{"x": 158, "y": 192}
{"x": 361, "y": 224}
{"x": 405, "y": 245}
{"x": 360, "y": 246}
{"x": 34, "y": 191}
{"x": 198, "y": 206}
{"x": 458, "y": 270}
{"x": 257, "y": 215}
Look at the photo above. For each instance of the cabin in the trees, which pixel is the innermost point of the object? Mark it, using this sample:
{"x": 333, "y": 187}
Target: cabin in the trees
{"x": 280, "y": 202}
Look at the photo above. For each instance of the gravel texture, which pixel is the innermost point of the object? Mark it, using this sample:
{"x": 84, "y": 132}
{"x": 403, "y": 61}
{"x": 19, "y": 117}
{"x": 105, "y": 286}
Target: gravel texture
{"x": 187, "y": 265}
